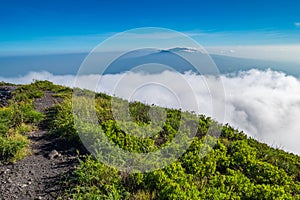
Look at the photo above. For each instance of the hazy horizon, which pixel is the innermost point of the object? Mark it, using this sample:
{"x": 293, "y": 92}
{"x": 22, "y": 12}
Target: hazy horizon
{"x": 254, "y": 44}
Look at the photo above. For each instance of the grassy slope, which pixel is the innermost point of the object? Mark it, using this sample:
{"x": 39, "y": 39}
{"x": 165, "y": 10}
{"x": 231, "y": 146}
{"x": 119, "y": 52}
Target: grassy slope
{"x": 236, "y": 167}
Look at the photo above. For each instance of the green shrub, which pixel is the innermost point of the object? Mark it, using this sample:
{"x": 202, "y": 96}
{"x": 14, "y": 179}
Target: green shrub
{"x": 63, "y": 121}
{"x": 94, "y": 180}
{"x": 6, "y": 117}
{"x": 11, "y": 148}
{"x": 231, "y": 166}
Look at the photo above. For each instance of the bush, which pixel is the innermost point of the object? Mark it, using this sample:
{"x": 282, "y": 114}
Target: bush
{"x": 94, "y": 180}
{"x": 12, "y": 148}
{"x": 62, "y": 122}
{"x": 230, "y": 167}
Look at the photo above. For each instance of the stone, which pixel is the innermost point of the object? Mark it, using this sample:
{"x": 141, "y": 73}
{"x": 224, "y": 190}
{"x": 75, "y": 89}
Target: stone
{"x": 53, "y": 154}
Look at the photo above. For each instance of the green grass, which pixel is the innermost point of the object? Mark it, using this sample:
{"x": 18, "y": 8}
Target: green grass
{"x": 19, "y": 118}
{"x": 235, "y": 167}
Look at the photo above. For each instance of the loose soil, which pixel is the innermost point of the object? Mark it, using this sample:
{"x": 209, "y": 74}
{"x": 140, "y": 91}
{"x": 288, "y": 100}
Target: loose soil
{"x": 41, "y": 174}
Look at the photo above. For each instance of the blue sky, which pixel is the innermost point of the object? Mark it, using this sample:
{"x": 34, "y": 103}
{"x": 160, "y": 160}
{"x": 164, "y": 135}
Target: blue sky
{"x": 64, "y": 26}
{"x": 259, "y": 29}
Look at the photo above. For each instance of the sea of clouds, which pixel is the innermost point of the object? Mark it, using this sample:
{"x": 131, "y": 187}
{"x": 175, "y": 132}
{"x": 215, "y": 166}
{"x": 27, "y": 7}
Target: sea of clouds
{"x": 263, "y": 104}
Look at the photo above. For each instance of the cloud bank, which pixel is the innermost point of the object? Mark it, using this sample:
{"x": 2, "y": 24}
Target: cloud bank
{"x": 264, "y": 104}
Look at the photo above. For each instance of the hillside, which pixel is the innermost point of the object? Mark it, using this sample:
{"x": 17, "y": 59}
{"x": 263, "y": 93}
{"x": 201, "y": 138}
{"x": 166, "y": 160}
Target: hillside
{"x": 42, "y": 156}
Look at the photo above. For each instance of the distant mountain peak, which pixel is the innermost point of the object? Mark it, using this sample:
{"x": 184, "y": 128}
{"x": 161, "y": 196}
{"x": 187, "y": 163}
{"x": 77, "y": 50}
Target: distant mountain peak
{"x": 183, "y": 49}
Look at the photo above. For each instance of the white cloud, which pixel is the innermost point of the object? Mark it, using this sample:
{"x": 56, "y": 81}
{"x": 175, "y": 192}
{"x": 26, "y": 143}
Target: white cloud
{"x": 297, "y": 24}
{"x": 264, "y": 104}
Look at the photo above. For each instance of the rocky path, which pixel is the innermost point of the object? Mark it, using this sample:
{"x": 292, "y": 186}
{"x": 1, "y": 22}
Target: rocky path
{"x": 40, "y": 175}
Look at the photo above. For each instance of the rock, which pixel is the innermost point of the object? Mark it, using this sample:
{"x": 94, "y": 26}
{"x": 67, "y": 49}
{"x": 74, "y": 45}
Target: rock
{"x": 36, "y": 176}
{"x": 6, "y": 171}
{"x": 53, "y": 154}
{"x": 29, "y": 193}
{"x": 6, "y": 94}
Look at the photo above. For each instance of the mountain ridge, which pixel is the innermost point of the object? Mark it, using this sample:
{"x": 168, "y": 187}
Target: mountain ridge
{"x": 236, "y": 167}
{"x": 64, "y": 64}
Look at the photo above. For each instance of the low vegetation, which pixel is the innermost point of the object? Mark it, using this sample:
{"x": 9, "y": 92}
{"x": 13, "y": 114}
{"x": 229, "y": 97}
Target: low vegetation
{"x": 234, "y": 166}
{"x": 19, "y": 118}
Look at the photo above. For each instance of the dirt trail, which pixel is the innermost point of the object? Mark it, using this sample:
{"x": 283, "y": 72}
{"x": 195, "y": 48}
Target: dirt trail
{"x": 40, "y": 175}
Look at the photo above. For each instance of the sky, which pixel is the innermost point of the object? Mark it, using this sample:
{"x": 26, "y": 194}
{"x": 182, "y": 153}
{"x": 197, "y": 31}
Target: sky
{"x": 263, "y": 103}
{"x": 41, "y": 27}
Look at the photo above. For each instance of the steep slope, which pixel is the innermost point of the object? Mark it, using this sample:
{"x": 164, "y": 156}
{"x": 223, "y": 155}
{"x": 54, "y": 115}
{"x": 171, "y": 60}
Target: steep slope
{"x": 234, "y": 166}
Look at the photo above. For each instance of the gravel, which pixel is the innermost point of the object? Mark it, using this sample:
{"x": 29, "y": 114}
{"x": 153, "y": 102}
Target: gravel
{"x": 37, "y": 176}
{"x": 41, "y": 174}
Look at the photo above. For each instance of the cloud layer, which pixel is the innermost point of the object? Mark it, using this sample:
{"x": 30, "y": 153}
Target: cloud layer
{"x": 264, "y": 104}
